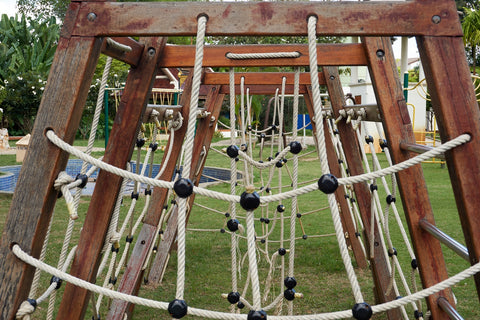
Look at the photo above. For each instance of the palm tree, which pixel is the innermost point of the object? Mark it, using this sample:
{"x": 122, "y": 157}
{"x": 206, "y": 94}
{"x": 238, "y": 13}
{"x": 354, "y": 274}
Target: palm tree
{"x": 471, "y": 32}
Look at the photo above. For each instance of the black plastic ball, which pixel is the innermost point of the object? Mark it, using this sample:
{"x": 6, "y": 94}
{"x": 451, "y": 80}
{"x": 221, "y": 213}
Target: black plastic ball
{"x": 362, "y": 311}
{"x": 240, "y": 305}
{"x": 368, "y": 139}
{"x": 289, "y": 294}
{"x": 57, "y": 280}
{"x": 304, "y": 237}
{"x": 222, "y": 230}
{"x": 414, "y": 264}
{"x": 249, "y": 200}
{"x": 84, "y": 179}
{"x": 279, "y": 164}
{"x": 328, "y": 183}
{"x": 140, "y": 142}
{"x": 232, "y": 151}
{"x": 290, "y": 282}
{"x": 262, "y": 136}
{"x": 295, "y": 147}
{"x": 244, "y": 147}
{"x": 153, "y": 146}
{"x": 227, "y": 214}
{"x": 249, "y": 128}
{"x": 418, "y": 314}
{"x": 233, "y": 297}
{"x": 183, "y": 187}
{"x": 299, "y": 215}
{"x": 282, "y": 251}
{"x": 232, "y": 225}
{"x": 177, "y": 308}
{"x": 257, "y": 315}
{"x": 280, "y": 208}
{"x": 266, "y": 220}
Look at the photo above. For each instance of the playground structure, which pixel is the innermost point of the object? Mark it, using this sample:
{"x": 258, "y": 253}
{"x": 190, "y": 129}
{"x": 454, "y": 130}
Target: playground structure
{"x": 434, "y": 23}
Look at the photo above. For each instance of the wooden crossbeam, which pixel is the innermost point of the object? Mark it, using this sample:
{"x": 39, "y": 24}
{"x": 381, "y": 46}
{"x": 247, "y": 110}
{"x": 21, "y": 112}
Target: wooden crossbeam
{"x": 382, "y": 18}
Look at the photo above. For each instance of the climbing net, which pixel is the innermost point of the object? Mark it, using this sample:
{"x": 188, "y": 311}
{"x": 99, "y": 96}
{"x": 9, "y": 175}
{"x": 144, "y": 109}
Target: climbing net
{"x": 255, "y": 194}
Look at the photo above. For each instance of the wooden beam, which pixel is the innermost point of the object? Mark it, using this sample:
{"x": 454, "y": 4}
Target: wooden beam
{"x": 427, "y": 17}
{"x": 344, "y": 54}
{"x": 257, "y": 89}
{"x": 130, "y": 57}
{"x": 457, "y": 112}
{"x": 118, "y": 153}
{"x": 258, "y": 78}
{"x": 351, "y": 147}
{"x": 411, "y": 183}
{"x": 33, "y": 201}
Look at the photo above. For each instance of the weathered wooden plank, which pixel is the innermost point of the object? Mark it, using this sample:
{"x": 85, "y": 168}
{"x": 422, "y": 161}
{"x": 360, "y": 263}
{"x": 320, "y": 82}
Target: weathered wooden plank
{"x": 457, "y": 112}
{"x": 118, "y": 152}
{"x": 344, "y": 54}
{"x": 204, "y": 134}
{"x": 131, "y": 280}
{"x": 259, "y": 89}
{"x": 427, "y": 17}
{"x": 378, "y": 259}
{"x": 347, "y": 223}
{"x": 34, "y": 198}
{"x": 411, "y": 183}
{"x": 259, "y": 78}
{"x": 131, "y": 57}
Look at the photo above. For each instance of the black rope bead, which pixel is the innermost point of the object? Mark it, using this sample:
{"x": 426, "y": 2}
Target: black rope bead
{"x": 304, "y": 237}
{"x": 352, "y": 200}
{"x": 183, "y": 187}
{"x": 347, "y": 196}
{"x": 373, "y": 187}
{"x": 232, "y": 225}
{"x": 57, "y": 280}
{"x": 173, "y": 201}
{"x": 267, "y": 190}
{"x": 418, "y": 314}
{"x": 240, "y": 305}
{"x": 391, "y": 199}
{"x": 257, "y": 315}
{"x": 368, "y": 139}
{"x": 290, "y": 282}
{"x": 140, "y": 143}
{"x": 148, "y": 192}
{"x": 112, "y": 280}
{"x": 249, "y": 200}
{"x": 266, "y": 220}
{"x": 273, "y": 127}
{"x": 263, "y": 241}
{"x": 262, "y": 136}
{"x": 33, "y": 303}
{"x": 362, "y": 311}
{"x": 233, "y": 297}
{"x": 244, "y": 147}
{"x": 340, "y": 161}
{"x": 414, "y": 264}
{"x": 282, "y": 251}
{"x": 299, "y": 215}
{"x": 357, "y": 234}
{"x": 153, "y": 146}
{"x": 232, "y": 151}
{"x": 134, "y": 195}
{"x": 227, "y": 214}
{"x": 84, "y": 179}
{"x": 383, "y": 143}
{"x": 336, "y": 131}
{"x": 129, "y": 239}
{"x": 280, "y": 208}
{"x": 392, "y": 252}
{"x": 284, "y": 160}
{"x": 115, "y": 248}
{"x": 222, "y": 230}
{"x": 269, "y": 159}
{"x": 177, "y": 308}
{"x": 347, "y": 171}
{"x": 249, "y": 127}
{"x": 289, "y": 294}
{"x": 262, "y": 219}
{"x": 328, "y": 183}
{"x": 295, "y": 147}
{"x": 236, "y": 159}
{"x": 279, "y": 164}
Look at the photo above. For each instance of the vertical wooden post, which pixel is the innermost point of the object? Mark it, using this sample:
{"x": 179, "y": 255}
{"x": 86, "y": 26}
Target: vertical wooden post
{"x": 347, "y": 222}
{"x": 118, "y": 152}
{"x": 34, "y": 198}
{"x": 378, "y": 259}
{"x": 411, "y": 182}
{"x": 457, "y": 112}
{"x": 205, "y": 131}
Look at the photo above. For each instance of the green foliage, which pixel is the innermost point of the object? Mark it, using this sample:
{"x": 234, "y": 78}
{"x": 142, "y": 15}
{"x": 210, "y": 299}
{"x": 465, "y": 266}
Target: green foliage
{"x": 27, "y": 47}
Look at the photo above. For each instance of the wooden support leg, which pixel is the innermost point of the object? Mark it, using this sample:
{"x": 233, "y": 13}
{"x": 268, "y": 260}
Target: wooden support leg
{"x": 347, "y": 222}
{"x": 34, "y": 198}
{"x": 205, "y": 131}
{"x": 378, "y": 258}
{"x": 457, "y": 112}
{"x": 132, "y": 277}
{"x": 118, "y": 153}
{"x": 411, "y": 182}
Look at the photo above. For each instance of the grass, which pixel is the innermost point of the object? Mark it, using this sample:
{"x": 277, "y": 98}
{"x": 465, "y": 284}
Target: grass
{"x": 318, "y": 266}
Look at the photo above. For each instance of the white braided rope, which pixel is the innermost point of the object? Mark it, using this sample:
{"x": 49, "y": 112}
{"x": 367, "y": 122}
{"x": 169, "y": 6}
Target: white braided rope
{"x": 312, "y": 50}
{"x": 262, "y": 55}
{"x": 228, "y": 316}
{"x": 265, "y": 199}
{"x": 263, "y": 165}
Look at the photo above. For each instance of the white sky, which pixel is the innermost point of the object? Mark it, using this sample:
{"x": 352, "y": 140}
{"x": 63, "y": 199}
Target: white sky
{"x": 9, "y": 7}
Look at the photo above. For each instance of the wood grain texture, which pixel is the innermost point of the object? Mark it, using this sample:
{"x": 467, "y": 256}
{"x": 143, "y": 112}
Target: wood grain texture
{"x": 351, "y": 147}
{"x": 269, "y": 18}
{"x": 350, "y": 54}
{"x": 117, "y": 153}
{"x": 411, "y": 182}
{"x": 33, "y": 201}
{"x": 132, "y": 57}
{"x": 457, "y": 112}
{"x": 259, "y": 78}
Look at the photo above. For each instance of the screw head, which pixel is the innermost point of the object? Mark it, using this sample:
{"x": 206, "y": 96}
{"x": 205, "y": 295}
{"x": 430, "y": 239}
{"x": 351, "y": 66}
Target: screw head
{"x": 436, "y": 19}
{"x": 380, "y": 53}
{"x": 91, "y": 17}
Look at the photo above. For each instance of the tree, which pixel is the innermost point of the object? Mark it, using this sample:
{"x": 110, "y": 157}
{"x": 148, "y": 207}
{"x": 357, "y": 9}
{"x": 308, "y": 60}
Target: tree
{"x": 27, "y": 47}
{"x": 471, "y": 32}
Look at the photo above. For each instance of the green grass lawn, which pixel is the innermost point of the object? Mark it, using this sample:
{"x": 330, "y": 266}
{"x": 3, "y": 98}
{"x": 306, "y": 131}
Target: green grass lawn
{"x": 318, "y": 266}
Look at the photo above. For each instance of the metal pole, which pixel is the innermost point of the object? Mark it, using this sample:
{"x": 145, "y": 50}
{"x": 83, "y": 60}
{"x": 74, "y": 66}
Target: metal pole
{"x": 449, "y": 309}
{"x": 457, "y": 247}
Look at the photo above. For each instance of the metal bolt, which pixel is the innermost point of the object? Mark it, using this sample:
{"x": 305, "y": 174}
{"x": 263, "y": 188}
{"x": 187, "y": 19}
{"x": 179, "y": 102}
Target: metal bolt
{"x": 91, "y": 17}
{"x": 436, "y": 19}
{"x": 332, "y": 77}
{"x": 380, "y": 53}
{"x": 151, "y": 51}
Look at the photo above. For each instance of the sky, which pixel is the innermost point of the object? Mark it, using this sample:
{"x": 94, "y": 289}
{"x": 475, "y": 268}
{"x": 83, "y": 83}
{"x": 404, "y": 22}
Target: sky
{"x": 9, "y": 7}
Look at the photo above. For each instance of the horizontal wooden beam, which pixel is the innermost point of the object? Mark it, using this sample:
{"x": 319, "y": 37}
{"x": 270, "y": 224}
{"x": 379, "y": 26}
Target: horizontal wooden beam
{"x": 261, "y": 89}
{"x": 131, "y": 57}
{"x": 351, "y": 54}
{"x": 259, "y": 78}
{"x": 370, "y": 18}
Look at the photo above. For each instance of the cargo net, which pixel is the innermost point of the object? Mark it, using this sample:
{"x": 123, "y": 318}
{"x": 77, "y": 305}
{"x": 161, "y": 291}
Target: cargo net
{"x": 258, "y": 234}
